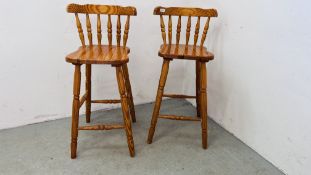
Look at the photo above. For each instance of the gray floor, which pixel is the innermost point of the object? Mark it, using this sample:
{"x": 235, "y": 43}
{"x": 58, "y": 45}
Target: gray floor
{"x": 44, "y": 148}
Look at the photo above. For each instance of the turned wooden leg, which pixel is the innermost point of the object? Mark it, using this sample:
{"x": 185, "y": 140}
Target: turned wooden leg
{"x": 158, "y": 101}
{"x": 75, "y": 111}
{"x": 129, "y": 91}
{"x": 88, "y": 88}
{"x": 125, "y": 110}
{"x": 203, "y": 104}
{"x": 197, "y": 78}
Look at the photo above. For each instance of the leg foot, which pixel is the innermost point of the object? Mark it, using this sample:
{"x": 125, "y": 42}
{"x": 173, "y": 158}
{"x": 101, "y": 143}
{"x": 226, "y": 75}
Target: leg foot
{"x": 162, "y": 81}
{"x": 125, "y": 111}
{"x": 75, "y": 111}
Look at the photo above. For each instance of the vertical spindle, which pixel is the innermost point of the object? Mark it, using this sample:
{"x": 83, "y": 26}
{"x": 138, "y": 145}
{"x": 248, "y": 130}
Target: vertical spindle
{"x": 163, "y": 29}
{"x": 109, "y": 27}
{"x": 89, "y": 29}
{"x": 126, "y": 31}
{"x": 196, "y": 34}
{"x": 118, "y": 31}
{"x": 205, "y": 32}
{"x": 178, "y": 30}
{"x": 170, "y": 29}
{"x": 80, "y": 30}
{"x": 99, "y": 30}
{"x": 188, "y": 30}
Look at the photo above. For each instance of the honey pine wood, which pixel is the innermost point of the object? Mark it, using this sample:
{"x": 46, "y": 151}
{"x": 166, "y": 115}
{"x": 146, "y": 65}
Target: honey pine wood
{"x": 169, "y": 51}
{"x": 114, "y": 55}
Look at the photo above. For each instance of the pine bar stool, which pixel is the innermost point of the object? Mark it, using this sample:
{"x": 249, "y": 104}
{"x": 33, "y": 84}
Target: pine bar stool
{"x": 169, "y": 51}
{"x": 114, "y": 55}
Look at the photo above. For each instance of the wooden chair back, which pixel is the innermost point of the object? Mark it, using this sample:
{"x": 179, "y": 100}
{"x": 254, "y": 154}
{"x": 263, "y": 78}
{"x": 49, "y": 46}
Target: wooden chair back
{"x": 99, "y": 10}
{"x": 190, "y": 13}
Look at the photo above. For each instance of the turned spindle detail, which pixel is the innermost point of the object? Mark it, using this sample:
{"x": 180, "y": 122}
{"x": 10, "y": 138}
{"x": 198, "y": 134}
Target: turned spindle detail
{"x": 101, "y": 53}
{"x": 126, "y": 31}
{"x": 170, "y": 30}
{"x": 205, "y": 32}
{"x": 178, "y": 30}
{"x": 118, "y": 31}
{"x": 109, "y": 30}
{"x": 188, "y": 30}
{"x": 99, "y": 30}
{"x": 163, "y": 29}
{"x": 89, "y": 29}
{"x": 196, "y": 34}
{"x": 80, "y": 30}
{"x": 181, "y": 51}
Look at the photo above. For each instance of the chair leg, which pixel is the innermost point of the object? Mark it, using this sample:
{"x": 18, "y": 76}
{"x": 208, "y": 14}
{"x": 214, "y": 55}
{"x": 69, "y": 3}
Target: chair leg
{"x": 88, "y": 88}
{"x": 203, "y": 104}
{"x": 197, "y": 70}
{"x": 156, "y": 109}
{"x": 75, "y": 110}
{"x": 129, "y": 91}
{"x": 125, "y": 110}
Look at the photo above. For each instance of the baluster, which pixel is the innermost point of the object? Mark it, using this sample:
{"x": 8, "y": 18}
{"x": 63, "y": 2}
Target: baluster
{"x": 163, "y": 30}
{"x": 109, "y": 27}
{"x": 188, "y": 30}
{"x": 99, "y": 30}
{"x": 178, "y": 30}
{"x": 89, "y": 29}
{"x": 80, "y": 30}
{"x": 170, "y": 29}
{"x": 126, "y": 31}
{"x": 196, "y": 35}
{"x": 118, "y": 31}
{"x": 205, "y": 32}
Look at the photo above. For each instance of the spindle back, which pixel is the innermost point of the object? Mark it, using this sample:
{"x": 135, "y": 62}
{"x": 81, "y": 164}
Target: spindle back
{"x": 99, "y": 10}
{"x": 188, "y": 12}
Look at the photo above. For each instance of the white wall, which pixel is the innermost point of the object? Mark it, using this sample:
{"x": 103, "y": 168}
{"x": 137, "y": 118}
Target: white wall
{"x": 259, "y": 84}
{"x": 36, "y": 82}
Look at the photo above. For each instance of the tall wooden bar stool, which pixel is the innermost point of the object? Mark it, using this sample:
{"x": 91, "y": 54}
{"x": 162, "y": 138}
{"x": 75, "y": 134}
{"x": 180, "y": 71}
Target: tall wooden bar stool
{"x": 169, "y": 51}
{"x": 114, "y": 55}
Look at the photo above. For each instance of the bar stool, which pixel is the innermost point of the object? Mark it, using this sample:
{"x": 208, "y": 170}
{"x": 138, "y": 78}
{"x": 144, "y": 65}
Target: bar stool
{"x": 169, "y": 51}
{"x": 114, "y": 55}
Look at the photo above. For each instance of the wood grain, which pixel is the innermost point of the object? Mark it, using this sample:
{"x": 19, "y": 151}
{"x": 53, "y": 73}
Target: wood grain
{"x": 101, "y": 127}
{"x": 101, "y": 9}
{"x": 125, "y": 110}
{"x": 99, "y": 55}
{"x": 75, "y": 110}
{"x": 99, "y": 30}
{"x": 89, "y": 29}
{"x": 196, "y": 35}
{"x": 163, "y": 29}
{"x": 126, "y": 31}
{"x": 203, "y": 103}
{"x": 106, "y": 101}
{"x": 129, "y": 91}
{"x": 178, "y": 96}
{"x": 158, "y": 101}
{"x": 118, "y": 31}
{"x": 205, "y": 32}
{"x": 108, "y": 53}
{"x": 182, "y": 52}
{"x": 178, "y": 30}
{"x": 184, "y": 118}
{"x": 181, "y": 11}
{"x": 80, "y": 30}
{"x": 88, "y": 88}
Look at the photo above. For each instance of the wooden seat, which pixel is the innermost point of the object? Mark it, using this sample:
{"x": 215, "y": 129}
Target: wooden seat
{"x": 169, "y": 51}
{"x": 182, "y": 51}
{"x": 103, "y": 54}
{"x": 115, "y": 55}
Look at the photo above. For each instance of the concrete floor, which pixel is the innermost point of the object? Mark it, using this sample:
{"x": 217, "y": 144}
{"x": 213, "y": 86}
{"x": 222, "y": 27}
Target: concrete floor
{"x": 44, "y": 148}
